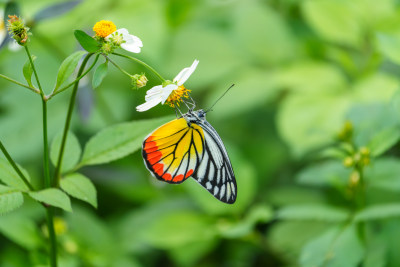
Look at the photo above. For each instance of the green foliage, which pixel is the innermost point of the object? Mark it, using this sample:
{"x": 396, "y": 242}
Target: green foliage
{"x": 87, "y": 42}
{"x": 9, "y": 177}
{"x": 118, "y": 141}
{"x": 99, "y": 74}
{"x": 53, "y": 197}
{"x": 72, "y": 151}
{"x": 27, "y": 70}
{"x": 10, "y": 199}
{"x": 80, "y": 187}
{"x": 68, "y": 67}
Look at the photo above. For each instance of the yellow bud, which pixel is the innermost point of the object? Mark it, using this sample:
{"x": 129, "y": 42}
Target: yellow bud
{"x": 364, "y": 151}
{"x": 60, "y": 226}
{"x": 348, "y": 162}
{"x": 354, "y": 178}
{"x": 70, "y": 246}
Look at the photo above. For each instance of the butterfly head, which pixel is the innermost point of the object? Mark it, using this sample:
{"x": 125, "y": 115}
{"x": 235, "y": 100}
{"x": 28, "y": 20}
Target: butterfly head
{"x": 195, "y": 116}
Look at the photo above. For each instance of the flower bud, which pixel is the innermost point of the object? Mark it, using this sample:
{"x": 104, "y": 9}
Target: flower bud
{"x": 107, "y": 48}
{"x": 139, "y": 81}
{"x": 17, "y": 29}
{"x": 354, "y": 178}
{"x": 364, "y": 151}
{"x": 346, "y": 133}
{"x": 348, "y": 162}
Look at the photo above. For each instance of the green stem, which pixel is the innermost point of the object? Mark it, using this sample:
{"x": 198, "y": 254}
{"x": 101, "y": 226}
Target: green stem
{"x": 73, "y": 82}
{"x": 52, "y": 235}
{"x": 15, "y": 166}
{"x": 47, "y": 181}
{"x": 57, "y": 172}
{"x": 143, "y": 64}
{"x": 118, "y": 67}
{"x": 20, "y": 84}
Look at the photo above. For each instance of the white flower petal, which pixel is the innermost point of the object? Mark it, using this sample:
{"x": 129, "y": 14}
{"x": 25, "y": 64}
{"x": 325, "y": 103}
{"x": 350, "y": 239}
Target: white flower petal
{"x": 149, "y": 104}
{"x": 132, "y": 42}
{"x": 167, "y": 90}
{"x": 185, "y": 73}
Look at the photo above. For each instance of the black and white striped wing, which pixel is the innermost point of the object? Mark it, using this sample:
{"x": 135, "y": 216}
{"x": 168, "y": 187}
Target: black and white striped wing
{"x": 215, "y": 171}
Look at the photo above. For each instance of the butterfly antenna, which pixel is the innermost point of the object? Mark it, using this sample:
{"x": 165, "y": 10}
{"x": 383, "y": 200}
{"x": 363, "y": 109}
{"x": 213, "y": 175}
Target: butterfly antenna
{"x": 209, "y": 109}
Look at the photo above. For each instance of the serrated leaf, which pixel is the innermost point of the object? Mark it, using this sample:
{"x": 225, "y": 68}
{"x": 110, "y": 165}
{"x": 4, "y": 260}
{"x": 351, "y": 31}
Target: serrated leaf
{"x": 378, "y": 212}
{"x": 28, "y": 70}
{"x": 316, "y": 212}
{"x": 118, "y": 141}
{"x": 72, "y": 151}
{"x": 87, "y": 42}
{"x": 53, "y": 197}
{"x": 10, "y": 177}
{"x": 10, "y": 199}
{"x": 55, "y": 10}
{"x": 80, "y": 187}
{"x": 336, "y": 248}
{"x": 67, "y": 67}
{"x": 99, "y": 74}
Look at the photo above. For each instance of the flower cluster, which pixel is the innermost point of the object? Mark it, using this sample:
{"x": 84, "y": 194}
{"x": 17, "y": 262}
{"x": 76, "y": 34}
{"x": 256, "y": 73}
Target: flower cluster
{"x": 16, "y": 27}
{"x": 169, "y": 92}
{"x": 111, "y": 38}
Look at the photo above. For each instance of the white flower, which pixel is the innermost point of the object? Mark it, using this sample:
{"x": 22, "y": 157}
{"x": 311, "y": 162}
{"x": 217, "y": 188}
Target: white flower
{"x": 3, "y": 30}
{"x": 172, "y": 92}
{"x": 127, "y": 41}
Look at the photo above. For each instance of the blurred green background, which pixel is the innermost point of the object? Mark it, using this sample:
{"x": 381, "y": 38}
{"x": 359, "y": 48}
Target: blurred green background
{"x": 301, "y": 69}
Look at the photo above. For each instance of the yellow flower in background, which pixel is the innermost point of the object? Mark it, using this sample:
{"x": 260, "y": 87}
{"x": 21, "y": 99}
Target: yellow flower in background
{"x": 3, "y": 31}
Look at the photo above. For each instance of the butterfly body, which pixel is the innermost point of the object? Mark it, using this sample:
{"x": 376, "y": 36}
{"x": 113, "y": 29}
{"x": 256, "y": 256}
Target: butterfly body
{"x": 190, "y": 147}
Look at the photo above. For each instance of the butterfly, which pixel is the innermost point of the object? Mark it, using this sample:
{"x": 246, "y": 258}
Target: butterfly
{"x": 190, "y": 147}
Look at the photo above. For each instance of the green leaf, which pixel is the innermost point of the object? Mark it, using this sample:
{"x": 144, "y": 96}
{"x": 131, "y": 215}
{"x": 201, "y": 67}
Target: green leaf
{"x": 188, "y": 227}
{"x": 325, "y": 173}
{"x": 378, "y": 212}
{"x": 28, "y": 70}
{"x": 21, "y": 229}
{"x": 316, "y": 212}
{"x": 118, "y": 141}
{"x": 11, "y": 178}
{"x": 336, "y": 248}
{"x": 87, "y": 42}
{"x": 67, "y": 67}
{"x": 80, "y": 187}
{"x": 257, "y": 214}
{"x": 72, "y": 151}
{"x": 53, "y": 197}
{"x": 99, "y": 74}
{"x": 336, "y": 21}
{"x": 384, "y": 140}
{"x": 389, "y": 46}
{"x": 384, "y": 174}
{"x": 10, "y": 199}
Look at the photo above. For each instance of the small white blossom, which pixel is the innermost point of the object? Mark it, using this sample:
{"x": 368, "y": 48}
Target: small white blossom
{"x": 159, "y": 94}
{"x": 128, "y": 41}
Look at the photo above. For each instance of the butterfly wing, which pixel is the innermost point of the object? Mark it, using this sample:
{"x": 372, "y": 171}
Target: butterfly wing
{"x": 174, "y": 151}
{"x": 215, "y": 171}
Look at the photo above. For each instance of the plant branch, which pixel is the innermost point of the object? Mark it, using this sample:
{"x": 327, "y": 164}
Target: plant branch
{"x": 47, "y": 181}
{"x": 57, "y": 172}
{"x": 15, "y": 166}
{"x": 143, "y": 64}
{"x": 20, "y": 84}
{"x": 73, "y": 82}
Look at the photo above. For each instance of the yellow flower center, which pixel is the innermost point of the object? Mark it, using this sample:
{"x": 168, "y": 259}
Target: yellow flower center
{"x": 176, "y": 96}
{"x": 104, "y": 28}
{"x": 2, "y": 26}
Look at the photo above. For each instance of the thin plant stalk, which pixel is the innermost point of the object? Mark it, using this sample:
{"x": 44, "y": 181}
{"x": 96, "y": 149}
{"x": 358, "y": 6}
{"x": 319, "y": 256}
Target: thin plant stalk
{"x": 143, "y": 64}
{"x": 47, "y": 181}
{"x": 15, "y": 166}
{"x": 20, "y": 84}
{"x": 57, "y": 172}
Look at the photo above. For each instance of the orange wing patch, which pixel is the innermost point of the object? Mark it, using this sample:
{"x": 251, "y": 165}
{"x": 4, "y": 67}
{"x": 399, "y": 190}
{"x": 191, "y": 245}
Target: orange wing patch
{"x": 173, "y": 151}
